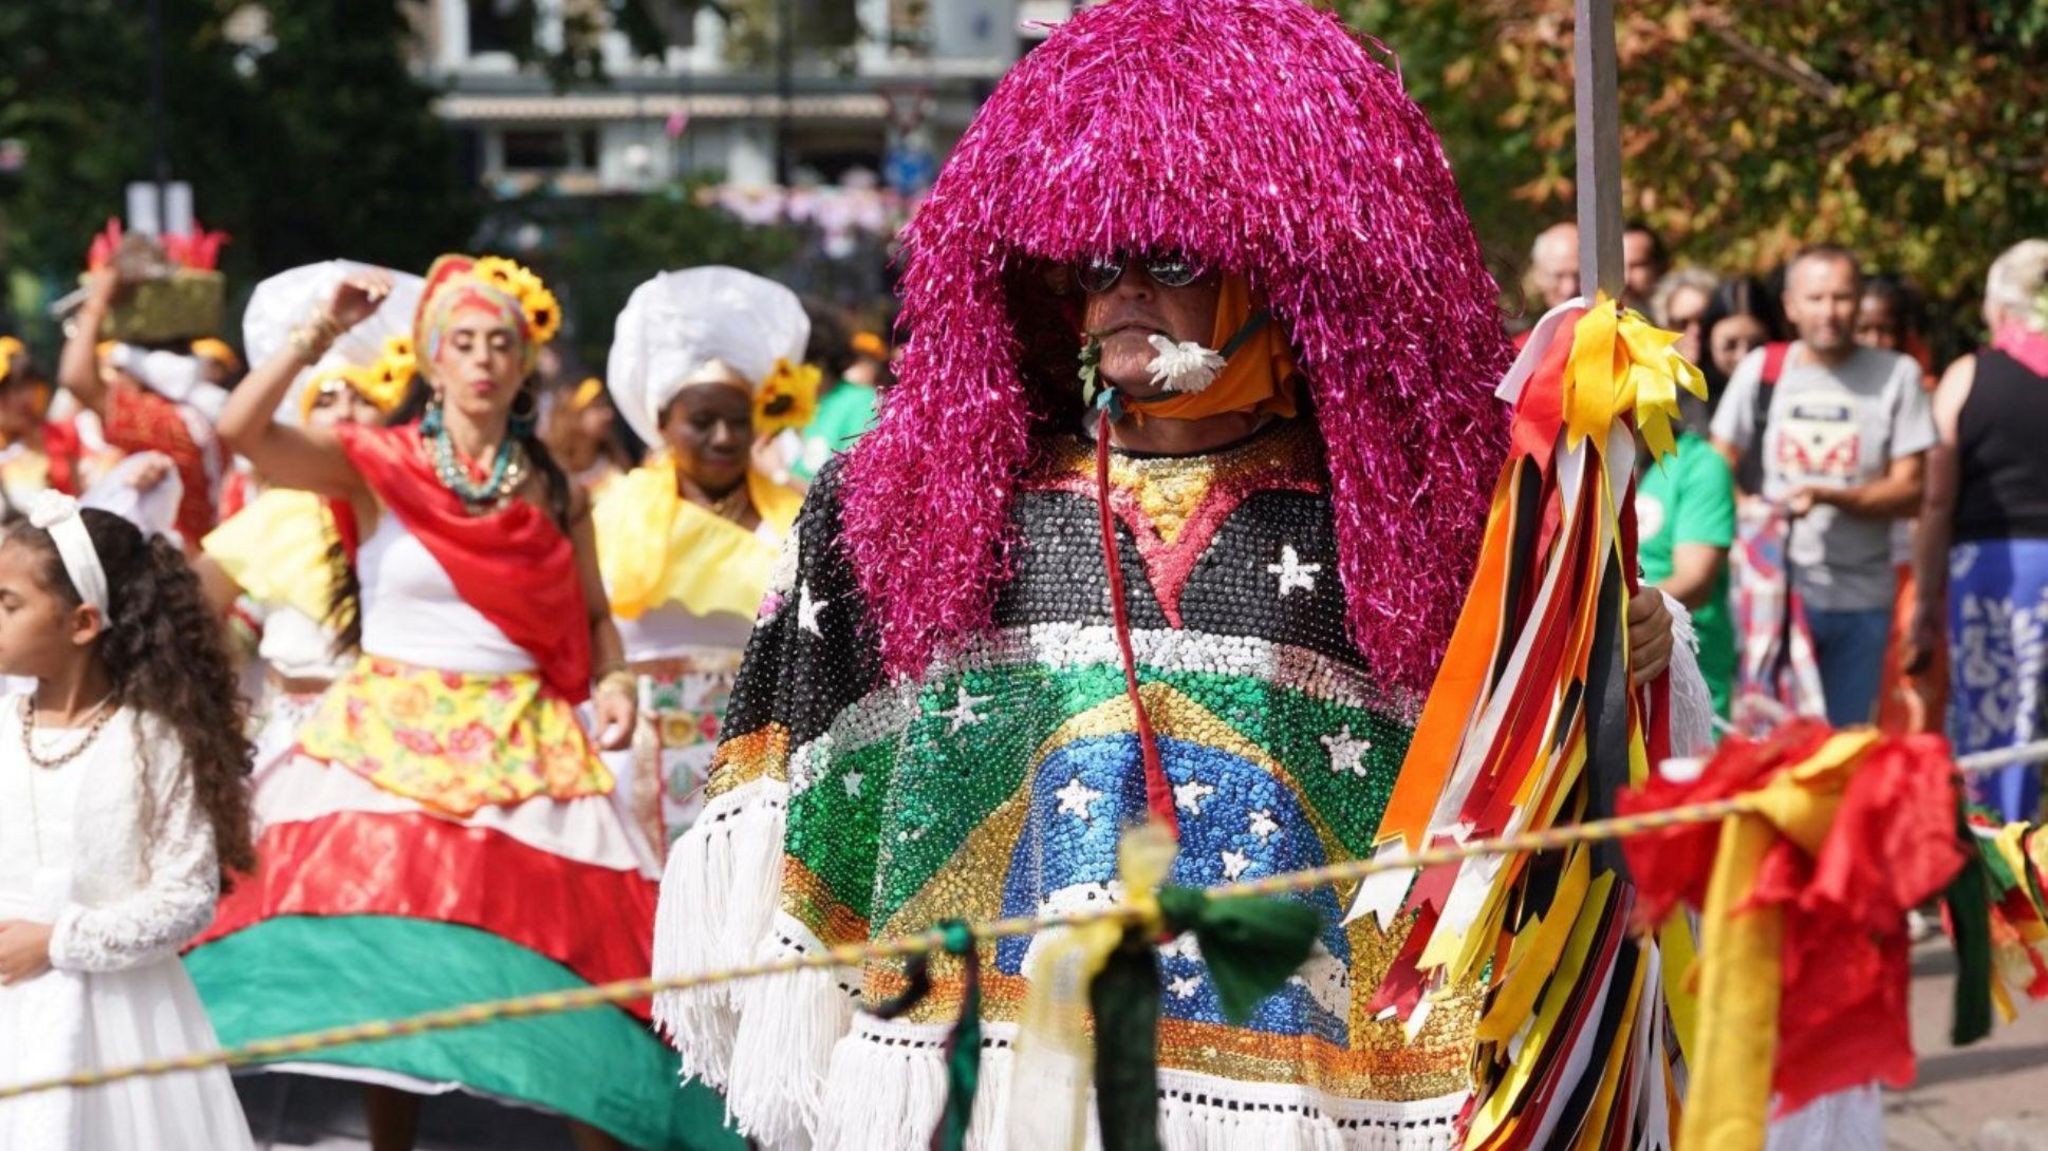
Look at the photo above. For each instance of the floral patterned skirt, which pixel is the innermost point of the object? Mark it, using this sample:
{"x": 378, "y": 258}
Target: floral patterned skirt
{"x": 682, "y": 712}
{"x": 454, "y": 741}
{"x": 1998, "y": 662}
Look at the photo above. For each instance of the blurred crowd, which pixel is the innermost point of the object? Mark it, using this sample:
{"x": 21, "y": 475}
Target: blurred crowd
{"x": 1858, "y": 531}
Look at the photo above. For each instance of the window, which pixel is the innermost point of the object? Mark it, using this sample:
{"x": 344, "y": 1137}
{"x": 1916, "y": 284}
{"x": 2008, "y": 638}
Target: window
{"x": 536, "y": 150}
{"x": 496, "y": 26}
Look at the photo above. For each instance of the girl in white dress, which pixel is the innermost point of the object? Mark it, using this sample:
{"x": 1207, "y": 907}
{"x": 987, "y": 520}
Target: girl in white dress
{"x": 122, "y": 796}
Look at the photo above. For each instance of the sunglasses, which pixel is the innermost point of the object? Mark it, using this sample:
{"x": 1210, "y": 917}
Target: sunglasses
{"x": 1168, "y": 270}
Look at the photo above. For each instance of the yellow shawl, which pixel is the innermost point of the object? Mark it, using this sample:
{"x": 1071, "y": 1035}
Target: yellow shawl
{"x": 275, "y": 550}
{"x": 655, "y": 547}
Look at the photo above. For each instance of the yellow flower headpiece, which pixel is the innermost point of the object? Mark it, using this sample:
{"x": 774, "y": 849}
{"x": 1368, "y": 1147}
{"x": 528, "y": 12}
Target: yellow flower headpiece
{"x": 542, "y": 311}
{"x": 788, "y": 398}
{"x": 384, "y": 383}
{"x": 11, "y": 350}
{"x": 587, "y": 393}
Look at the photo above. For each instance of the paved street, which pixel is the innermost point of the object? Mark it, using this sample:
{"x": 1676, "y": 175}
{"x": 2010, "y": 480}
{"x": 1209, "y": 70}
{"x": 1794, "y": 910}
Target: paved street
{"x": 1990, "y": 1097}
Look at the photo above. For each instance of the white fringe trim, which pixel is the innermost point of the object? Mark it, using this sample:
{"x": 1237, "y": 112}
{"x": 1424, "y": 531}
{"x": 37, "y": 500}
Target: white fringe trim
{"x": 783, "y": 1050}
{"x": 718, "y": 897}
{"x": 887, "y": 1087}
{"x": 1692, "y": 705}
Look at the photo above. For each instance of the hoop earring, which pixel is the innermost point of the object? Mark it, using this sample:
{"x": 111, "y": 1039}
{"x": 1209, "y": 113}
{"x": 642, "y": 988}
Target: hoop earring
{"x": 525, "y": 414}
{"x": 430, "y": 420}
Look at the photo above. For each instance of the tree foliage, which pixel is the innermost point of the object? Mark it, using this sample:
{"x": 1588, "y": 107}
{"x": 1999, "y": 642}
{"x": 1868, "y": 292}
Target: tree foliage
{"x": 1910, "y": 132}
{"x": 306, "y": 141}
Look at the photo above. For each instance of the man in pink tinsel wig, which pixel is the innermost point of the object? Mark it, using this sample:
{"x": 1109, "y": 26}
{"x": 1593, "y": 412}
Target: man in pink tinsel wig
{"x": 1201, "y": 263}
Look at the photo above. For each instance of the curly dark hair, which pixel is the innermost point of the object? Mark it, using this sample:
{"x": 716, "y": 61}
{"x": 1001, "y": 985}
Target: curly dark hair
{"x": 162, "y": 649}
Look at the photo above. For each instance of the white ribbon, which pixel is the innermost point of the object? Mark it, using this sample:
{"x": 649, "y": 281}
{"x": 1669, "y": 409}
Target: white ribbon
{"x": 57, "y": 514}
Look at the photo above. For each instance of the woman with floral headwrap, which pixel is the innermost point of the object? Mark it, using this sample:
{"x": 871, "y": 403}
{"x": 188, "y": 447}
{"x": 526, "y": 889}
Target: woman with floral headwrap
{"x": 687, "y": 540}
{"x": 443, "y": 830}
{"x": 269, "y": 567}
{"x": 25, "y": 461}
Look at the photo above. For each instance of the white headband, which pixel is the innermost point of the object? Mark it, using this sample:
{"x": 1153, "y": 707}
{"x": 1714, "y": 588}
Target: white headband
{"x": 57, "y": 514}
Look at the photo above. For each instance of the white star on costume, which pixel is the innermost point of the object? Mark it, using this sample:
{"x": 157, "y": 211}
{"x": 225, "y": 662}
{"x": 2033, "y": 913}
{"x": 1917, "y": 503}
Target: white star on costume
{"x": 1075, "y": 797}
{"x": 1189, "y": 796}
{"x": 853, "y": 781}
{"x": 1234, "y": 863}
{"x": 962, "y": 712}
{"x": 808, "y": 609}
{"x": 1184, "y": 986}
{"x": 1293, "y": 573}
{"x": 1262, "y": 824}
{"x": 1347, "y": 753}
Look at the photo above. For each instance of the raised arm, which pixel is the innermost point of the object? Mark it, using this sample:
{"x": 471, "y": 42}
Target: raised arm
{"x": 78, "y": 368}
{"x": 298, "y": 457}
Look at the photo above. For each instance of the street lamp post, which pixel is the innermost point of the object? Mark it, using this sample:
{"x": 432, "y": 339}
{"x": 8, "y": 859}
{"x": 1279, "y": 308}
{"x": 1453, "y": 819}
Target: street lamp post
{"x": 785, "y": 85}
{"x": 158, "y": 129}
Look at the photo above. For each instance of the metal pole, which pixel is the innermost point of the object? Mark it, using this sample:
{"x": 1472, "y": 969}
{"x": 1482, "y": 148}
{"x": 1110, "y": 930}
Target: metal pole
{"x": 1595, "y": 84}
{"x": 159, "y": 141}
{"x": 785, "y": 84}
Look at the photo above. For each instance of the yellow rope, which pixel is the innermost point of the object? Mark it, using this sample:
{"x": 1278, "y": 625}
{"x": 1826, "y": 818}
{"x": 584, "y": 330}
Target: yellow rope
{"x": 856, "y": 955}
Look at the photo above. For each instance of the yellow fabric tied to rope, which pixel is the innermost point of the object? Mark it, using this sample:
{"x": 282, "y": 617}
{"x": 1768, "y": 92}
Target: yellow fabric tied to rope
{"x": 1054, "y": 1054}
{"x": 1741, "y": 979}
{"x": 655, "y": 547}
{"x": 1620, "y": 363}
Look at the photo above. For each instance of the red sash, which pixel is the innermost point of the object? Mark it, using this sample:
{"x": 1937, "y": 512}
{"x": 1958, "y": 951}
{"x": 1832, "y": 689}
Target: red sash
{"x": 514, "y": 566}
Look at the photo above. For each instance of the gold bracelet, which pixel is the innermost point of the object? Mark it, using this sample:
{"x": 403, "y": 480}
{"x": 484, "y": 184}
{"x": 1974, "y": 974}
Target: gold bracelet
{"x": 312, "y": 342}
{"x": 618, "y": 682}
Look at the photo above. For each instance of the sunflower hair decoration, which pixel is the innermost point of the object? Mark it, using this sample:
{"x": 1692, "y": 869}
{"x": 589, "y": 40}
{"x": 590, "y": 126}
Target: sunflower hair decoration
{"x": 788, "y": 398}
{"x": 542, "y": 311}
{"x": 384, "y": 383}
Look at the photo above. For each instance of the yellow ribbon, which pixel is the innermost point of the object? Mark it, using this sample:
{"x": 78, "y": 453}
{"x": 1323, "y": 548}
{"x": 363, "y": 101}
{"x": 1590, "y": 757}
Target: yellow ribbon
{"x": 1622, "y": 363}
{"x": 1740, "y": 975}
{"x": 1053, "y": 1043}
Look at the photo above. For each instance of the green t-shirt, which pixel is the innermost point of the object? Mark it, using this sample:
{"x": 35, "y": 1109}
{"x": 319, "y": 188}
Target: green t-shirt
{"x": 1690, "y": 499}
{"x": 846, "y": 411}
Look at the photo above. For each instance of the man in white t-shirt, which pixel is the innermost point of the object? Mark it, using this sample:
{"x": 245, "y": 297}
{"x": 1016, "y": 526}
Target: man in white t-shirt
{"x": 1845, "y": 436}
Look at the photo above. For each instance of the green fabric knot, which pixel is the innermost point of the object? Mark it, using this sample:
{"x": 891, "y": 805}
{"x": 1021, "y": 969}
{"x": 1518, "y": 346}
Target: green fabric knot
{"x": 1251, "y": 944}
{"x": 963, "y": 1042}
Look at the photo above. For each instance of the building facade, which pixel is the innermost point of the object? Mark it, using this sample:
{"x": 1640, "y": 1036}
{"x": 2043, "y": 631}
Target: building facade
{"x": 876, "y": 104}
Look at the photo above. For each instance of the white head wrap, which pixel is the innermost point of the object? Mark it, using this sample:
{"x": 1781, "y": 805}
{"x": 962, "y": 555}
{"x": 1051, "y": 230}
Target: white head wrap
{"x": 57, "y": 514}
{"x": 698, "y": 326}
{"x": 288, "y": 299}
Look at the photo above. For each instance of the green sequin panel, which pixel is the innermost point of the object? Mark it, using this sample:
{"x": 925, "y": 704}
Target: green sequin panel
{"x": 969, "y": 761}
{"x": 976, "y": 736}
{"x": 833, "y": 825}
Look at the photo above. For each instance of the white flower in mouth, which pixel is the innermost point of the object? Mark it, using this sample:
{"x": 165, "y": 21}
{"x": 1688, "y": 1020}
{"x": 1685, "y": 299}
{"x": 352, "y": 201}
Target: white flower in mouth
{"x": 1186, "y": 367}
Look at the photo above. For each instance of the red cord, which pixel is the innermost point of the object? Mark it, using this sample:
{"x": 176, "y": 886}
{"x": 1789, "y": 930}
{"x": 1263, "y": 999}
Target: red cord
{"x": 1158, "y": 792}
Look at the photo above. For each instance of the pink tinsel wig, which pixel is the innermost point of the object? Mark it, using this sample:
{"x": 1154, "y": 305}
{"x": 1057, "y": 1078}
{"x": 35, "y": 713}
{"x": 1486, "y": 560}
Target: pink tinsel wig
{"x": 1261, "y": 137}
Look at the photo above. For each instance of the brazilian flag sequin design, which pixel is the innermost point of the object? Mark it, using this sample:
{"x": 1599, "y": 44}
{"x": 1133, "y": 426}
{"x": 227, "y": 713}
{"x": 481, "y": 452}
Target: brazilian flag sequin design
{"x": 999, "y": 783}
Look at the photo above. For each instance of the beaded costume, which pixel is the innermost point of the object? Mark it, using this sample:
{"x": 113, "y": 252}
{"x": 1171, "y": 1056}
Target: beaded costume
{"x": 934, "y": 721}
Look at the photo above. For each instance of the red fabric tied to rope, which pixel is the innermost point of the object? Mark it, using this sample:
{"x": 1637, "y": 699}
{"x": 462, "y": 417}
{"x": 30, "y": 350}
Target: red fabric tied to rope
{"x": 1804, "y": 899}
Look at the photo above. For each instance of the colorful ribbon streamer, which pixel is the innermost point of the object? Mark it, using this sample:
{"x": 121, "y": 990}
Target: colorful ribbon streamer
{"x": 1803, "y": 897}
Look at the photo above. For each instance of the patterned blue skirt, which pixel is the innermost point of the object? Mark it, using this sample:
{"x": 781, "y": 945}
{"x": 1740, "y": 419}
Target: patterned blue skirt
{"x": 1998, "y": 640}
